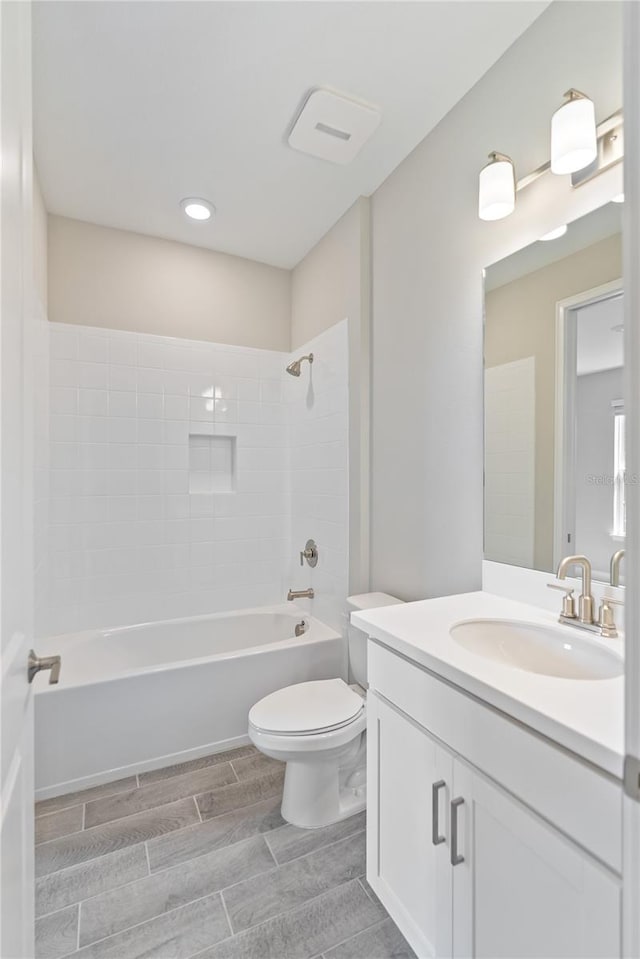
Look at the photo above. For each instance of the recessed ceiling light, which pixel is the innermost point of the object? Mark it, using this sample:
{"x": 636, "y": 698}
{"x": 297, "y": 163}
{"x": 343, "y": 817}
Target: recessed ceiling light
{"x": 197, "y": 209}
{"x": 619, "y": 198}
{"x": 554, "y": 234}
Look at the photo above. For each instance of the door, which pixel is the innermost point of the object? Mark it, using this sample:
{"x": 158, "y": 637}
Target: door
{"x": 408, "y": 779}
{"x": 631, "y": 223}
{"x": 589, "y": 376}
{"x": 520, "y": 888}
{"x": 16, "y": 497}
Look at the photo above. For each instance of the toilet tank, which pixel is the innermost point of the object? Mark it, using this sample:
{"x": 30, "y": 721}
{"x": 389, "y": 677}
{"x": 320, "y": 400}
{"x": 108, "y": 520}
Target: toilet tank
{"x": 357, "y": 639}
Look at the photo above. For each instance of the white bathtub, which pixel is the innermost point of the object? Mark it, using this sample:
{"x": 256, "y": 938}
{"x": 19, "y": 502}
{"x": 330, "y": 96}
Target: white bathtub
{"x": 142, "y": 697}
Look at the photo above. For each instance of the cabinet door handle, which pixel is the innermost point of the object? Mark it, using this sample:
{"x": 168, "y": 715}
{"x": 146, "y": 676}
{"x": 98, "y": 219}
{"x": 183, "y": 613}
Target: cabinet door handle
{"x": 456, "y": 858}
{"x": 436, "y": 838}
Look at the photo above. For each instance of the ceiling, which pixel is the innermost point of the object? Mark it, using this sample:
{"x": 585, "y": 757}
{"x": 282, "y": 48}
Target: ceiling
{"x": 139, "y": 104}
{"x": 600, "y": 336}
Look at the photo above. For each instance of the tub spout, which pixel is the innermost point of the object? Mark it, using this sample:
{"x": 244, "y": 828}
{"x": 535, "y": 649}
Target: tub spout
{"x": 299, "y": 594}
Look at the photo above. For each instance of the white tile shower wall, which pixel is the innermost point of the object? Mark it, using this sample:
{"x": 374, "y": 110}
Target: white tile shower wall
{"x": 318, "y": 404}
{"x": 127, "y": 540}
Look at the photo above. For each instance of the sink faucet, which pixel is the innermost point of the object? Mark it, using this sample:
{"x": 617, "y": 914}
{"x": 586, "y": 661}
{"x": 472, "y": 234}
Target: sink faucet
{"x": 605, "y": 623}
{"x": 585, "y": 600}
{"x": 300, "y": 594}
{"x": 614, "y": 568}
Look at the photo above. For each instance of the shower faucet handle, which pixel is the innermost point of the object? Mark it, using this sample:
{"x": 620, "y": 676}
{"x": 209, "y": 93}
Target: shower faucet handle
{"x": 310, "y": 553}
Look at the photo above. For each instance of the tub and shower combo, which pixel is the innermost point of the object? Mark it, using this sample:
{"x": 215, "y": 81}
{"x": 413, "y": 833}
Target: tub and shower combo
{"x": 142, "y": 697}
{"x": 133, "y": 698}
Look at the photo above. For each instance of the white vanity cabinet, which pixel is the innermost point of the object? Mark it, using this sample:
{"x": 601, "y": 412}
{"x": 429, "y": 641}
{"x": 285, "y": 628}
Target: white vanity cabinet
{"x": 408, "y": 793}
{"x": 464, "y": 866}
{"x": 523, "y": 889}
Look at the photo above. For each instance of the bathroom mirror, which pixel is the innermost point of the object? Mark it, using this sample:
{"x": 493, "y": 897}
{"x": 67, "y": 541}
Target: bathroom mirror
{"x": 554, "y": 401}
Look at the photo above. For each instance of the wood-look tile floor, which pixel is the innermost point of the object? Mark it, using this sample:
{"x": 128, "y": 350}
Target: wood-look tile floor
{"x": 195, "y": 860}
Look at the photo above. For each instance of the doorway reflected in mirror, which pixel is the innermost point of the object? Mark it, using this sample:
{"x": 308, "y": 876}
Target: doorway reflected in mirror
{"x": 554, "y": 401}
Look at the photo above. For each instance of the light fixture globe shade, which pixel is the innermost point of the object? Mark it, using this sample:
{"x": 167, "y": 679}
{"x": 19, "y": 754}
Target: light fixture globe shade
{"x": 497, "y": 189}
{"x": 574, "y": 142}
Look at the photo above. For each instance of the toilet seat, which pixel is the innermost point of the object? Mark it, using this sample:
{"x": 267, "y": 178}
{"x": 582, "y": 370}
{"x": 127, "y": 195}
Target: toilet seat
{"x": 307, "y": 709}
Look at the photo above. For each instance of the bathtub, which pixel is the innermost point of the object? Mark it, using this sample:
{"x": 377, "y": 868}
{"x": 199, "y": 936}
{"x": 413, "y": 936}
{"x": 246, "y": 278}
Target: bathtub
{"x": 142, "y": 697}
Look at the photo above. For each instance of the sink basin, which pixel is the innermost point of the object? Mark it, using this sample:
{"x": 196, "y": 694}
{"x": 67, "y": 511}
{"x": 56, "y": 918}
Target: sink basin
{"x": 538, "y": 649}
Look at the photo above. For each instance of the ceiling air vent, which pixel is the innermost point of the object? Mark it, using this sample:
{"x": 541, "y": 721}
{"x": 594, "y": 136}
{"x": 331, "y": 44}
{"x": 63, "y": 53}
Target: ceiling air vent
{"x": 333, "y": 127}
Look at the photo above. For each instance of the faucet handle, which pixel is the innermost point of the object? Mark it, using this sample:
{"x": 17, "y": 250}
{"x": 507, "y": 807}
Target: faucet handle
{"x": 310, "y": 553}
{"x": 568, "y": 602}
{"x": 606, "y": 620}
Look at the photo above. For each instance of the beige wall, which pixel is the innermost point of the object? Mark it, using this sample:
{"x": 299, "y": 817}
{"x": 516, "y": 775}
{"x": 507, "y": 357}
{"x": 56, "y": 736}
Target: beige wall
{"x": 332, "y": 283}
{"x": 99, "y": 276}
{"x": 521, "y": 322}
{"x": 39, "y": 242}
{"x": 429, "y": 249}
{"x": 326, "y": 284}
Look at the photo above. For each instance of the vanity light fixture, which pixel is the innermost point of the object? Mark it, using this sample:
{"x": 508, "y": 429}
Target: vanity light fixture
{"x": 497, "y": 196}
{"x": 578, "y": 148}
{"x": 554, "y": 234}
{"x": 197, "y": 209}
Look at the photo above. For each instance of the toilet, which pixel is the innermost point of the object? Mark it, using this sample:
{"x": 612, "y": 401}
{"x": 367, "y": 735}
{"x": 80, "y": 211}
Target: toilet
{"x": 319, "y": 730}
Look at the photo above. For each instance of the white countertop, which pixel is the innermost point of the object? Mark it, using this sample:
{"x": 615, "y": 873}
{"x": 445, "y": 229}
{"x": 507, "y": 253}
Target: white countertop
{"x": 585, "y": 716}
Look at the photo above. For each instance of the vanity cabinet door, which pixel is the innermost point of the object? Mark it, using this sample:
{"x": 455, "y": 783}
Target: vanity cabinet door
{"x": 406, "y": 772}
{"x": 522, "y": 889}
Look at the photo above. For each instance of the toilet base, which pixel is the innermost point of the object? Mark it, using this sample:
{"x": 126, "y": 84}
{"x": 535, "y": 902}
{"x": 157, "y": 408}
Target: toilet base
{"x": 317, "y": 794}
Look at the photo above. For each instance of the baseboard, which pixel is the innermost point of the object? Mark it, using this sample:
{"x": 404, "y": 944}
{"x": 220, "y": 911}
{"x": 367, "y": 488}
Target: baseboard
{"x": 110, "y": 775}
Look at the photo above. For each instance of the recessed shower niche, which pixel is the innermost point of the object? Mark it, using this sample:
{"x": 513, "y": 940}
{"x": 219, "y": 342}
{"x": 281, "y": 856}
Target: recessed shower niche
{"x": 212, "y": 463}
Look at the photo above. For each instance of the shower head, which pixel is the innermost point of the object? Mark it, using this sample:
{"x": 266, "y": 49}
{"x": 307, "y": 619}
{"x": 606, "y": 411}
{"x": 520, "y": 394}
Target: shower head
{"x": 294, "y": 368}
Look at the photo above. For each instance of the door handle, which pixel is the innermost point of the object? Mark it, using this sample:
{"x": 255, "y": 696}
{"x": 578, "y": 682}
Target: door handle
{"x": 436, "y": 838}
{"x": 36, "y": 664}
{"x": 456, "y": 858}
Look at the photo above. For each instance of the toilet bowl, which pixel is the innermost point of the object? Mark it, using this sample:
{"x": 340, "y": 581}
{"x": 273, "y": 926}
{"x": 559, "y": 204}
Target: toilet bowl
{"x": 318, "y": 729}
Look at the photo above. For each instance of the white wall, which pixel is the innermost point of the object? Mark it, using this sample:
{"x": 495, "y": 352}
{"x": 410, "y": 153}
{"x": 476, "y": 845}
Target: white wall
{"x": 318, "y": 404}
{"x": 110, "y": 278}
{"x": 429, "y": 248}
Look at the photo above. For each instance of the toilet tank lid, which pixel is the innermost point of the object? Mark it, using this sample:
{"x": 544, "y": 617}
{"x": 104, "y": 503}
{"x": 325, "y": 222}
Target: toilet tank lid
{"x": 372, "y": 601}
